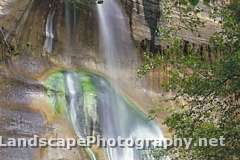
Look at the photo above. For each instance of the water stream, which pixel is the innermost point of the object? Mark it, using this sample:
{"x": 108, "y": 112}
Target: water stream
{"x": 92, "y": 103}
{"x": 48, "y": 44}
{"x": 95, "y": 107}
{"x": 115, "y": 40}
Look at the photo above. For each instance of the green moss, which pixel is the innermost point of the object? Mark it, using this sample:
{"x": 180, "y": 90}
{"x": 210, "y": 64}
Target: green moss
{"x": 56, "y": 91}
{"x": 194, "y": 2}
{"x": 89, "y": 91}
{"x": 86, "y": 83}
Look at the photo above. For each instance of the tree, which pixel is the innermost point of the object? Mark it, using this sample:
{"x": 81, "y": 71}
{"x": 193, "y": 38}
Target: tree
{"x": 211, "y": 90}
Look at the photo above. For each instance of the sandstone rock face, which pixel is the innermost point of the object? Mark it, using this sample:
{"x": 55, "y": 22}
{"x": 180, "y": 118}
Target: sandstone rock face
{"x": 21, "y": 122}
{"x": 12, "y": 14}
{"x": 144, "y": 16}
{"x": 144, "y": 19}
{"x": 17, "y": 122}
{"x": 4, "y": 7}
{"x": 24, "y": 113}
{"x": 24, "y": 23}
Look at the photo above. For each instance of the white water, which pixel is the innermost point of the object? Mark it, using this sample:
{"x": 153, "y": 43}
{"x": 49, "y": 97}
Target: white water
{"x": 115, "y": 115}
{"x": 70, "y": 21}
{"x": 115, "y": 40}
{"x": 120, "y": 119}
{"x": 48, "y": 44}
{"x": 76, "y": 108}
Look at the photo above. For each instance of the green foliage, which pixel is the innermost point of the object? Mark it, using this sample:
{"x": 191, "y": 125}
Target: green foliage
{"x": 235, "y": 8}
{"x": 184, "y": 11}
{"x": 220, "y": 78}
{"x": 205, "y": 121}
{"x": 159, "y": 154}
{"x": 212, "y": 109}
{"x": 228, "y": 39}
{"x": 150, "y": 62}
{"x": 194, "y": 2}
{"x": 211, "y": 90}
{"x": 206, "y": 2}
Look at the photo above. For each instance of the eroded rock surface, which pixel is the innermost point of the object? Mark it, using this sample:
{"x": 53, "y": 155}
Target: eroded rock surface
{"x": 20, "y": 122}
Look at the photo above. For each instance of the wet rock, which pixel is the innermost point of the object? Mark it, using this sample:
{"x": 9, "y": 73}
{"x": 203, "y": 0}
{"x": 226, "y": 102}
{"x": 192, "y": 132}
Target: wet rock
{"x": 19, "y": 154}
{"x": 12, "y": 12}
{"x": 20, "y": 121}
{"x": 144, "y": 19}
{"x": 15, "y": 92}
{"x": 28, "y": 66}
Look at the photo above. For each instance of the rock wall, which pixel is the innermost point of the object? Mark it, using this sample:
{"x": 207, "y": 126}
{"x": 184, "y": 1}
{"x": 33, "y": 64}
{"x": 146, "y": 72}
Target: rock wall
{"x": 144, "y": 19}
{"x": 144, "y": 16}
{"x": 25, "y": 25}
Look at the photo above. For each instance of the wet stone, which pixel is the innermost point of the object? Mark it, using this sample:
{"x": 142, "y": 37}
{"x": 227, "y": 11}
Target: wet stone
{"x": 20, "y": 122}
{"x": 17, "y": 92}
{"x": 19, "y": 154}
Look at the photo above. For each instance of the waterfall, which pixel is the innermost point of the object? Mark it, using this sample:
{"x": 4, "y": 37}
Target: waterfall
{"x": 95, "y": 107}
{"x": 71, "y": 23}
{"x": 118, "y": 117}
{"x": 82, "y": 107}
{"x": 82, "y": 103}
{"x": 115, "y": 39}
{"x": 48, "y": 44}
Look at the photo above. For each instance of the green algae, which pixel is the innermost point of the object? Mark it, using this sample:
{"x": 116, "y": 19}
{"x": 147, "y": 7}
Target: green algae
{"x": 56, "y": 91}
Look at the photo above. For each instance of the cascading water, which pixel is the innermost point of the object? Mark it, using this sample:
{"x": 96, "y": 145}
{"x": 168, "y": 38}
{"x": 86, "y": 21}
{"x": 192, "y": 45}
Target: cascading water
{"x": 122, "y": 120}
{"x": 119, "y": 118}
{"x": 48, "y": 44}
{"x": 71, "y": 24}
{"x": 95, "y": 108}
{"x": 115, "y": 39}
{"x": 82, "y": 106}
{"x": 82, "y": 103}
